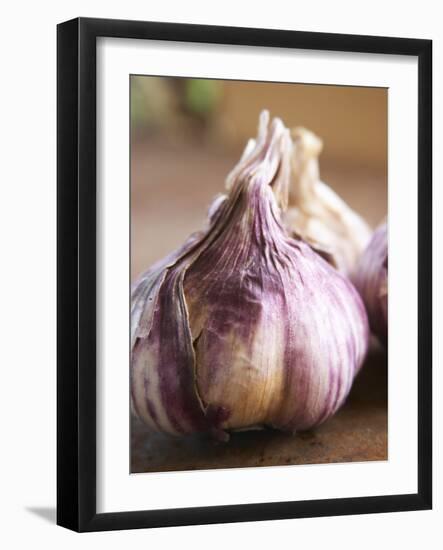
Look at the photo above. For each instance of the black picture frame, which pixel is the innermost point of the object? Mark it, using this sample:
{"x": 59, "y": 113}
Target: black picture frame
{"x": 76, "y": 280}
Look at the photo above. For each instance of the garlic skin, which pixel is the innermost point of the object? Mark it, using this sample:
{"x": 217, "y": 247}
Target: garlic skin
{"x": 371, "y": 280}
{"x": 245, "y": 326}
{"x": 318, "y": 214}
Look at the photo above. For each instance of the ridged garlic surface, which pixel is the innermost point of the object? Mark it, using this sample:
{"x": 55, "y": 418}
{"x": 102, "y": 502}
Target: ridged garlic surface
{"x": 317, "y": 213}
{"x": 245, "y": 326}
{"x": 371, "y": 280}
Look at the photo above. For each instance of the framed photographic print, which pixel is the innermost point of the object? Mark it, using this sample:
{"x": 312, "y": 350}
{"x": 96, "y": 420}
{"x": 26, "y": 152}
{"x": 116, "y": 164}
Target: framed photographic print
{"x": 233, "y": 344}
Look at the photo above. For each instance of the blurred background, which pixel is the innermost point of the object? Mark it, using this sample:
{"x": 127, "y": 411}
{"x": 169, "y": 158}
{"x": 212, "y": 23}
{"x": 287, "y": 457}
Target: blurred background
{"x": 187, "y": 134}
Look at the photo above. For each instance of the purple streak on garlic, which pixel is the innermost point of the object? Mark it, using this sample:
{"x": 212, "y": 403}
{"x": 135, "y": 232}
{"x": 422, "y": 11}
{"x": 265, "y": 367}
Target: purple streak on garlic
{"x": 245, "y": 326}
{"x": 371, "y": 280}
{"x": 319, "y": 215}
{"x": 144, "y": 289}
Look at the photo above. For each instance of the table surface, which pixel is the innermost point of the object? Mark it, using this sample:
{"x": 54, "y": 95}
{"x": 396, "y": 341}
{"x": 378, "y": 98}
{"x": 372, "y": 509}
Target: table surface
{"x": 169, "y": 199}
{"x": 357, "y": 433}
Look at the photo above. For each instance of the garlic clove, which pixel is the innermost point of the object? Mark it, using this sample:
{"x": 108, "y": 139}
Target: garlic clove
{"x": 317, "y": 213}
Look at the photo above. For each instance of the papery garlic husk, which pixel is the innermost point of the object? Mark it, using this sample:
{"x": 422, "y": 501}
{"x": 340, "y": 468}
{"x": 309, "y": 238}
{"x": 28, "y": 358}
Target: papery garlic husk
{"x": 245, "y": 326}
{"x": 371, "y": 280}
{"x": 317, "y": 213}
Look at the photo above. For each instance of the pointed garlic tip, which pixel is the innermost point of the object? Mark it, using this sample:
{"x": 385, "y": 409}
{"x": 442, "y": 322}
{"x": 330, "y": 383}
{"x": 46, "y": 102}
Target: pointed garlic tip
{"x": 249, "y": 151}
{"x": 250, "y": 146}
{"x": 263, "y": 123}
{"x": 269, "y": 155}
{"x": 306, "y": 143}
{"x": 244, "y": 159}
{"x": 316, "y": 212}
{"x": 281, "y": 182}
{"x": 306, "y": 150}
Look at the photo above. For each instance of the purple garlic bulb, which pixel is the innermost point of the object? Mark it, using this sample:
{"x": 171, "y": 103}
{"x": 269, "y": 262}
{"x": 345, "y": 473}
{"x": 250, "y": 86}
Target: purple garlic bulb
{"x": 245, "y": 326}
{"x": 371, "y": 280}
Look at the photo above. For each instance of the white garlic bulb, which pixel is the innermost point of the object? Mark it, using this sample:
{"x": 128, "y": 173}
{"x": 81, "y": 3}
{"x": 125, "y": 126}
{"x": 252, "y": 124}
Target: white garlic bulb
{"x": 317, "y": 213}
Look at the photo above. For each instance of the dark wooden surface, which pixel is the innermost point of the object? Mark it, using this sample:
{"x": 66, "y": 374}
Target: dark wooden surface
{"x": 358, "y": 432}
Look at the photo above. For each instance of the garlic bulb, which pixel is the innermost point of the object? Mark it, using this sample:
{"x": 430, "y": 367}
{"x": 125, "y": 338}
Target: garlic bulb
{"x": 245, "y": 326}
{"x": 319, "y": 215}
{"x": 371, "y": 280}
